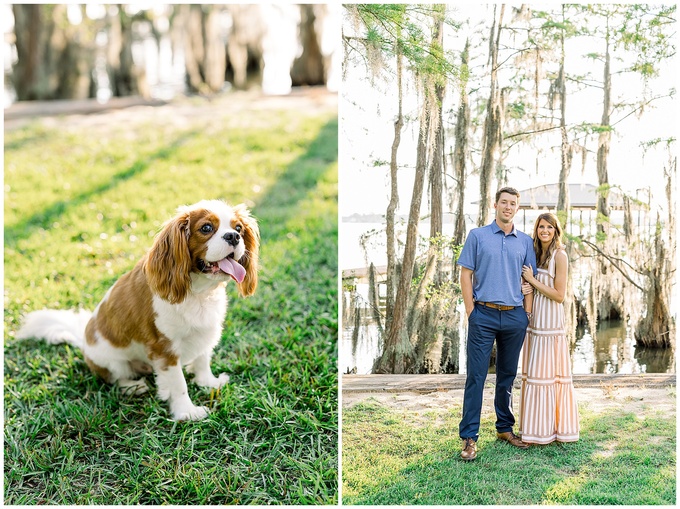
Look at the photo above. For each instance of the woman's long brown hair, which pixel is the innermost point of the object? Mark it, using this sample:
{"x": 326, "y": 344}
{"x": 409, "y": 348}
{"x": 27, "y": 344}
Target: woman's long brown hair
{"x": 542, "y": 256}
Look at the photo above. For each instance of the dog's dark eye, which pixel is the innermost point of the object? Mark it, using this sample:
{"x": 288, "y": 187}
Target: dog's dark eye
{"x": 238, "y": 228}
{"x": 207, "y": 228}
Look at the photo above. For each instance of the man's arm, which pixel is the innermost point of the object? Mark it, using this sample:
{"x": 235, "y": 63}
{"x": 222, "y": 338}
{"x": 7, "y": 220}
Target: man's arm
{"x": 466, "y": 289}
{"x": 530, "y": 260}
{"x": 529, "y": 303}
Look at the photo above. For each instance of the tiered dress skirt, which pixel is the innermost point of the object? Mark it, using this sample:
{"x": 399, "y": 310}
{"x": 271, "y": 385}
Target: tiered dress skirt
{"x": 548, "y": 410}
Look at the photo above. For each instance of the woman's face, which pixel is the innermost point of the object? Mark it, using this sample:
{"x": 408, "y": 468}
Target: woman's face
{"x": 545, "y": 231}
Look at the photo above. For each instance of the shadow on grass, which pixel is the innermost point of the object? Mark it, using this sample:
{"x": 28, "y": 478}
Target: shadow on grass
{"x": 614, "y": 462}
{"x": 38, "y": 134}
{"x": 295, "y": 308}
{"x": 300, "y": 177}
{"x": 44, "y": 218}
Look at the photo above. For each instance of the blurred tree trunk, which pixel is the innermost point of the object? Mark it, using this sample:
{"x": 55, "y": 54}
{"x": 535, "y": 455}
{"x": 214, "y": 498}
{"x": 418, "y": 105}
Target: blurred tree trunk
{"x": 491, "y": 143}
{"x": 204, "y": 48}
{"x": 51, "y": 61}
{"x": 244, "y": 44}
{"x": 125, "y": 77}
{"x": 310, "y": 68}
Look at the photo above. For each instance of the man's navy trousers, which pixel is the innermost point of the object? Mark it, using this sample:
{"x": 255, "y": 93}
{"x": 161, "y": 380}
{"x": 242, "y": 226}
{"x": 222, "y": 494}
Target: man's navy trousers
{"x": 508, "y": 329}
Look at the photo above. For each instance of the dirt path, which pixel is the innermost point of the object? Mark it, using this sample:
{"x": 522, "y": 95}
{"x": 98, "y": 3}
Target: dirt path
{"x": 629, "y": 393}
{"x": 181, "y": 111}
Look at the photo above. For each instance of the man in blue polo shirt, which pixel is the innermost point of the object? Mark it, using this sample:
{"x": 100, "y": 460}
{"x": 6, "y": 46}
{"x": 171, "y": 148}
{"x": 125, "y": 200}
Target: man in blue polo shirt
{"x": 491, "y": 283}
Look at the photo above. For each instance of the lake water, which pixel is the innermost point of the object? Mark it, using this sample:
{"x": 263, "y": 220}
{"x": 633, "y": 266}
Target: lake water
{"x": 612, "y": 351}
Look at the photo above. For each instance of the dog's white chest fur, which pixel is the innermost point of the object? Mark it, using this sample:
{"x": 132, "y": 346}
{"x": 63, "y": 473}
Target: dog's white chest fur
{"x": 195, "y": 325}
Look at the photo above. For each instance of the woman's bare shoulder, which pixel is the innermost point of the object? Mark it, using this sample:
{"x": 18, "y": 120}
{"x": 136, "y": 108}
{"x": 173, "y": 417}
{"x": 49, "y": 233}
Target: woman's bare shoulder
{"x": 561, "y": 255}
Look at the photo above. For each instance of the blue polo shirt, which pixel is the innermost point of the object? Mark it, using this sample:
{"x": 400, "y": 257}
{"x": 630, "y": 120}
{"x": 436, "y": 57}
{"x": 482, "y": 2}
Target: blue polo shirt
{"x": 496, "y": 260}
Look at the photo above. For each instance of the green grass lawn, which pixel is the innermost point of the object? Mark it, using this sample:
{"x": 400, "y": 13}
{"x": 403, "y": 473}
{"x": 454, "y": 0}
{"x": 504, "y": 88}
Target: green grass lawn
{"x": 402, "y": 457}
{"x": 82, "y": 204}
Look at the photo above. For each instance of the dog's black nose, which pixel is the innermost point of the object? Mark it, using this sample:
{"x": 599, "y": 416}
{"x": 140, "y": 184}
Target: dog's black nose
{"x": 232, "y": 238}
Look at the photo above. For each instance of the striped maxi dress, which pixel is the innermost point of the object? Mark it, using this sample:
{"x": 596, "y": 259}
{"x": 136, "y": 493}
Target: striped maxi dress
{"x": 548, "y": 410}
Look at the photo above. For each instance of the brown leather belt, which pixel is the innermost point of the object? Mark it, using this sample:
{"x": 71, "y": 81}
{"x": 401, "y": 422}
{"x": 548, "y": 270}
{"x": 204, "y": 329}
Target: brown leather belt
{"x": 499, "y": 307}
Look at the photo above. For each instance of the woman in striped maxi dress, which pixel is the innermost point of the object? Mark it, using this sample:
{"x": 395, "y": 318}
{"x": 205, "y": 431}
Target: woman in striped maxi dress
{"x": 548, "y": 409}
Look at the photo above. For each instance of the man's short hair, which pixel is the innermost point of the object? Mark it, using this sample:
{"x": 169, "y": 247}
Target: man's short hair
{"x": 509, "y": 190}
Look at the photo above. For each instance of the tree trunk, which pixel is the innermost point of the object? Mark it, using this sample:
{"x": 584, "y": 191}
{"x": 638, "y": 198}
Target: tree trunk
{"x": 460, "y": 152}
{"x": 436, "y": 177}
{"x": 491, "y": 143}
{"x": 563, "y": 199}
{"x": 125, "y": 78}
{"x": 204, "y": 49}
{"x": 657, "y": 327}
{"x": 374, "y": 298}
{"x": 627, "y": 219}
{"x": 398, "y": 355}
{"x": 424, "y": 319}
{"x": 409, "y": 309}
{"x": 437, "y": 169}
{"x": 310, "y": 68}
{"x": 655, "y": 330}
{"x": 52, "y": 63}
{"x": 603, "y": 143}
{"x": 32, "y": 30}
{"x": 608, "y": 291}
{"x": 394, "y": 200}
{"x": 565, "y": 152}
{"x": 244, "y": 44}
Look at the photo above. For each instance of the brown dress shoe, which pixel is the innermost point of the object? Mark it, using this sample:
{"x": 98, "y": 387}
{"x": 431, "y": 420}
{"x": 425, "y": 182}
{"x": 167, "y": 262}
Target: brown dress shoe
{"x": 512, "y": 439}
{"x": 469, "y": 451}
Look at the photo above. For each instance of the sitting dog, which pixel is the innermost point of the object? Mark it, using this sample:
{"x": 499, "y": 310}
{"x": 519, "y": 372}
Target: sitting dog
{"x": 168, "y": 311}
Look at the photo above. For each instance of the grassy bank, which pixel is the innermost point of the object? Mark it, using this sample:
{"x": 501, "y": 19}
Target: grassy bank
{"x": 395, "y": 456}
{"x": 83, "y": 199}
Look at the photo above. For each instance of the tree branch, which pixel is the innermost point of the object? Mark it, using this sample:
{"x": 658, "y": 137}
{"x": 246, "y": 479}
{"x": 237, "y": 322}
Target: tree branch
{"x": 530, "y": 132}
{"x": 512, "y": 55}
{"x": 640, "y": 107}
{"x": 611, "y": 260}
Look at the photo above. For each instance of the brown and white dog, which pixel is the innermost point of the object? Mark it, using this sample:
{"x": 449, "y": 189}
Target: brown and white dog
{"x": 169, "y": 310}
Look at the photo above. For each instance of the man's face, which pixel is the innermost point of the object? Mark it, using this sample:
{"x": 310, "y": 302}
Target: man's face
{"x": 506, "y": 207}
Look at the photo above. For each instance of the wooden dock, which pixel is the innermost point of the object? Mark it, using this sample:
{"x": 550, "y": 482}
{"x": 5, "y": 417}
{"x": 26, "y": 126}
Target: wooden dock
{"x": 433, "y": 383}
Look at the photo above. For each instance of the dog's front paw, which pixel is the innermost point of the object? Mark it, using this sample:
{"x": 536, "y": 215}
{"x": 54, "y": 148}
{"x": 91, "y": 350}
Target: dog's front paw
{"x": 195, "y": 413}
{"x": 213, "y": 382}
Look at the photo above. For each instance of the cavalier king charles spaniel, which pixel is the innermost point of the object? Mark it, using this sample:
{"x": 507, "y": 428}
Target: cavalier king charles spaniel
{"x": 169, "y": 310}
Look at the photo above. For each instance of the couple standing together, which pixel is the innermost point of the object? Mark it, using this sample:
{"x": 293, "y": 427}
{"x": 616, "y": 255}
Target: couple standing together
{"x": 494, "y": 260}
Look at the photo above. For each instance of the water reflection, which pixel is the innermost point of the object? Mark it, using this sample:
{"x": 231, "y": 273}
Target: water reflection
{"x": 612, "y": 351}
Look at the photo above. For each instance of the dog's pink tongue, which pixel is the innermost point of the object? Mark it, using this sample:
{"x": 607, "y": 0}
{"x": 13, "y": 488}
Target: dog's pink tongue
{"x": 233, "y": 268}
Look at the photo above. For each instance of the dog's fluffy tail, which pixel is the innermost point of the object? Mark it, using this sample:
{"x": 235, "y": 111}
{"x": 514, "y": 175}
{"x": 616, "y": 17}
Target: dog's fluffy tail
{"x": 56, "y": 326}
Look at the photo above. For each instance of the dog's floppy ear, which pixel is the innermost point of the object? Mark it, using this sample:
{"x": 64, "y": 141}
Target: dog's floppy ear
{"x": 168, "y": 263}
{"x": 250, "y": 260}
